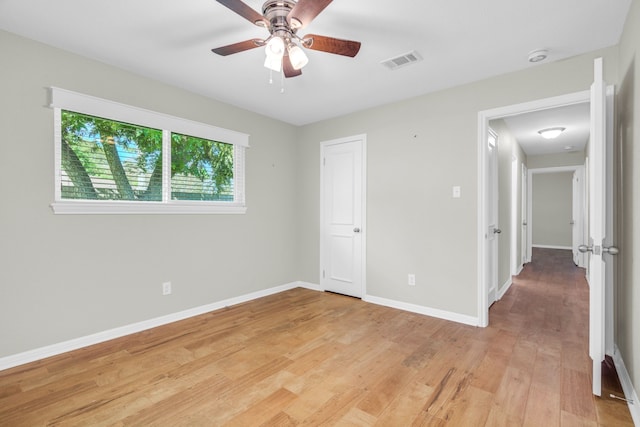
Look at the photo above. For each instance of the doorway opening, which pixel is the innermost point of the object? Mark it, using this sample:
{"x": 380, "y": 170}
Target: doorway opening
{"x": 516, "y": 224}
{"x": 556, "y": 209}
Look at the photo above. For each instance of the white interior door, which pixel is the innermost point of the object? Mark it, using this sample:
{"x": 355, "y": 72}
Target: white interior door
{"x": 524, "y": 235}
{"x": 342, "y": 216}
{"x": 493, "y": 231}
{"x": 597, "y": 184}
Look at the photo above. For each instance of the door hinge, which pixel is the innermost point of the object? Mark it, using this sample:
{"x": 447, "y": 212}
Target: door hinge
{"x": 323, "y": 274}
{"x": 324, "y": 161}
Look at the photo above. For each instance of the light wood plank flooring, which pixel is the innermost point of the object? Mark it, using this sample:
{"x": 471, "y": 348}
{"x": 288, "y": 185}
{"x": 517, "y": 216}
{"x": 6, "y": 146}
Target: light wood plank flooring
{"x": 309, "y": 358}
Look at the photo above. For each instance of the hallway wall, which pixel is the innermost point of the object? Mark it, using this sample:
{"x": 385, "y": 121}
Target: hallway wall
{"x": 628, "y": 239}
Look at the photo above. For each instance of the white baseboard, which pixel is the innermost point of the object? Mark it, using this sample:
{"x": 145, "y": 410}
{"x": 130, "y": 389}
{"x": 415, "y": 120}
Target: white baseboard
{"x": 504, "y": 288}
{"x": 74, "y": 344}
{"x": 308, "y": 285}
{"x": 420, "y": 309}
{"x": 627, "y": 386}
{"x": 77, "y": 343}
{"x": 520, "y": 268}
{"x": 568, "y": 248}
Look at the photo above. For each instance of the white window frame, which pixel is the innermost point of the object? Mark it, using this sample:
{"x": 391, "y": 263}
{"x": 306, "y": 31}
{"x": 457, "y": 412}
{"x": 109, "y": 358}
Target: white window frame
{"x": 62, "y": 99}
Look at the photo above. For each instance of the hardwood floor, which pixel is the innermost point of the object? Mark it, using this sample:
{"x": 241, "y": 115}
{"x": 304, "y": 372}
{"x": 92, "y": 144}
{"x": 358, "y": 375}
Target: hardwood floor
{"x": 309, "y": 358}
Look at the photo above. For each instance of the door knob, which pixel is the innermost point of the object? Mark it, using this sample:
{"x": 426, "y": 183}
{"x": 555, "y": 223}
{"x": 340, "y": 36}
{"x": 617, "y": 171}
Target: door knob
{"x": 497, "y": 231}
{"x": 585, "y": 248}
{"x": 356, "y": 230}
{"x": 611, "y": 250}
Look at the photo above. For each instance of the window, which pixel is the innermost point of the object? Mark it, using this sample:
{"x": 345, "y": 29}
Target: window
{"x": 113, "y": 158}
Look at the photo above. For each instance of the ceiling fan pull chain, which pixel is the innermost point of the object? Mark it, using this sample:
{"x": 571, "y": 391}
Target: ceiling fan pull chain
{"x": 282, "y": 81}
{"x": 270, "y": 76}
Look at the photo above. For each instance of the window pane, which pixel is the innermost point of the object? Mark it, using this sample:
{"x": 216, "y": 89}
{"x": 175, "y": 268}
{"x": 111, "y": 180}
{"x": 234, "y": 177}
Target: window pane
{"x": 107, "y": 160}
{"x": 201, "y": 169}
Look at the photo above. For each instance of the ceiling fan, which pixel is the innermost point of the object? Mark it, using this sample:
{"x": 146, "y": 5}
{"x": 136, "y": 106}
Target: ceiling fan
{"x": 283, "y": 19}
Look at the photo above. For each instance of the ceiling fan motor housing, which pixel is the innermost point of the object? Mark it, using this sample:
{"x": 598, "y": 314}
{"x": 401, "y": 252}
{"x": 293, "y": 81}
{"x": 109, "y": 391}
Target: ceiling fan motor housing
{"x": 276, "y": 12}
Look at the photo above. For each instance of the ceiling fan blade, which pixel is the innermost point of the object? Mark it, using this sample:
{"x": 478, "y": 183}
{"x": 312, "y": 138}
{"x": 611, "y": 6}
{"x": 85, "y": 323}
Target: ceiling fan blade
{"x": 305, "y": 10}
{"x": 238, "y": 47}
{"x": 245, "y": 11}
{"x": 288, "y": 69}
{"x": 331, "y": 45}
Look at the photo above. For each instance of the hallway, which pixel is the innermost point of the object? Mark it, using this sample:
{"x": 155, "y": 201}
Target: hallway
{"x": 547, "y": 308}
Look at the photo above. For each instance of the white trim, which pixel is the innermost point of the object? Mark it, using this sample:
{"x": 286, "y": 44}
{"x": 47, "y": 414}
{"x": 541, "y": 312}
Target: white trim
{"x": 552, "y": 247}
{"x": 87, "y": 104}
{"x": 555, "y": 169}
{"x": 11, "y": 361}
{"x": 166, "y": 167}
{"x": 504, "y": 288}
{"x": 483, "y": 125}
{"x": 519, "y": 270}
{"x": 307, "y": 285}
{"x": 515, "y": 224}
{"x": 77, "y": 343}
{"x": 483, "y": 158}
{"x": 627, "y": 386}
{"x": 524, "y": 217}
{"x": 85, "y": 207}
{"x": 420, "y": 309}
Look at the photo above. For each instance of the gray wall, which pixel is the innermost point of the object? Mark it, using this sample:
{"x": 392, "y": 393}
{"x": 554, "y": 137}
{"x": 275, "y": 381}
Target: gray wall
{"x": 417, "y": 150}
{"x": 552, "y": 209}
{"x": 628, "y": 212}
{"x": 67, "y": 276}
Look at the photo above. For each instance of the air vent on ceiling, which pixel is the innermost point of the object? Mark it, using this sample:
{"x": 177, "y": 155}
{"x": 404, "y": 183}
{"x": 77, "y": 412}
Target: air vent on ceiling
{"x": 402, "y": 60}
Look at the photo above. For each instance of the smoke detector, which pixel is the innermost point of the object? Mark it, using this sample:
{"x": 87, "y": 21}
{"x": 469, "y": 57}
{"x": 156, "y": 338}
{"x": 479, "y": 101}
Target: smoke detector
{"x": 538, "y": 55}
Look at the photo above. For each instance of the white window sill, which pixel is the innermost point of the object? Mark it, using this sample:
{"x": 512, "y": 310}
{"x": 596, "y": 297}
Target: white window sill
{"x": 132, "y": 208}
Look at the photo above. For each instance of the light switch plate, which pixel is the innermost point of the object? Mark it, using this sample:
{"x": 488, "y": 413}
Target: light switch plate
{"x": 456, "y": 192}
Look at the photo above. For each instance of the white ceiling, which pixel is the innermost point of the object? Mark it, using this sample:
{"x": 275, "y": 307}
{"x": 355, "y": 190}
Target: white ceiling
{"x": 574, "y": 118}
{"x": 461, "y": 41}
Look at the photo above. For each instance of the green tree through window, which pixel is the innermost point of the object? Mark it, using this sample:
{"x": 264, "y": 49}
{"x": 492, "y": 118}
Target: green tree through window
{"x": 103, "y": 159}
{"x": 201, "y": 169}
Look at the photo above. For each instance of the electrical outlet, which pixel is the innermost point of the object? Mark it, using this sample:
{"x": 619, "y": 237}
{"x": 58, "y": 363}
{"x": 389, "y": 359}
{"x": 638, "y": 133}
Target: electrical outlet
{"x": 166, "y": 288}
{"x": 411, "y": 281}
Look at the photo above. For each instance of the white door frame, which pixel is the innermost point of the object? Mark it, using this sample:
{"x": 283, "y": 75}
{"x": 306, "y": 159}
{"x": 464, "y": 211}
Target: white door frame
{"x": 558, "y": 169}
{"x": 483, "y": 131}
{"x": 579, "y": 208}
{"x": 362, "y": 138}
{"x": 515, "y": 223}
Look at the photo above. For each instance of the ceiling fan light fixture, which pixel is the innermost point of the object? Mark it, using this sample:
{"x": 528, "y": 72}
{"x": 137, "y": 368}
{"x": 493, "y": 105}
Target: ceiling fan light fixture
{"x": 551, "y": 133}
{"x": 297, "y": 56}
{"x": 273, "y": 62}
{"x": 275, "y": 47}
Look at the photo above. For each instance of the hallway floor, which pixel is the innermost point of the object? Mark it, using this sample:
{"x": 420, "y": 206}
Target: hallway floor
{"x": 547, "y": 307}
